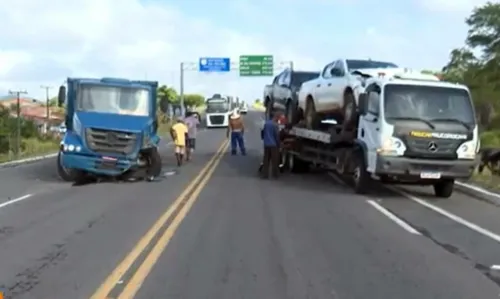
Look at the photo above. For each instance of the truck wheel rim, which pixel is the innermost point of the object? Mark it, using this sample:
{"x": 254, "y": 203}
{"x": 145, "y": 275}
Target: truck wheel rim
{"x": 356, "y": 174}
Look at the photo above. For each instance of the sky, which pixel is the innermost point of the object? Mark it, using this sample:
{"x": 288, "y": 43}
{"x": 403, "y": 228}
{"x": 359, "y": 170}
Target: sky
{"x": 44, "y": 42}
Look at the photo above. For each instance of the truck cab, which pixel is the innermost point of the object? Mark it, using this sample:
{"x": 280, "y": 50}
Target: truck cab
{"x": 414, "y": 127}
{"x": 111, "y": 128}
{"x": 217, "y": 111}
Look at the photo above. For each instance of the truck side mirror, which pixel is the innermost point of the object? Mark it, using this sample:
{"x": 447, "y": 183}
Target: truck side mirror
{"x": 164, "y": 105}
{"x": 363, "y": 103}
{"x": 61, "y": 97}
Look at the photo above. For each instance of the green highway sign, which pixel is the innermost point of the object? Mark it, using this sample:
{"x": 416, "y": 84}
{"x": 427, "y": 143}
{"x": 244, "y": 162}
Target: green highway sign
{"x": 256, "y": 65}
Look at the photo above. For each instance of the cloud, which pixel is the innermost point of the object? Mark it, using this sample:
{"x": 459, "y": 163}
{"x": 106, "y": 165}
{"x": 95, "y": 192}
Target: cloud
{"x": 46, "y": 41}
{"x": 121, "y": 38}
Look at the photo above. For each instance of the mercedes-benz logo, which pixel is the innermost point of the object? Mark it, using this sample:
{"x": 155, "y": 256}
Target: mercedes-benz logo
{"x": 432, "y": 147}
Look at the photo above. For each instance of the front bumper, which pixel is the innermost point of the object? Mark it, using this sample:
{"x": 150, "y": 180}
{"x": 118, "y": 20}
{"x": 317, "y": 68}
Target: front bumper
{"x": 413, "y": 168}
{"x": 96, "y": 164}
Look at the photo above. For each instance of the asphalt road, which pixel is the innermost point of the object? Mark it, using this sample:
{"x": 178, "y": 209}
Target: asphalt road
{"x": 232, "y": 235}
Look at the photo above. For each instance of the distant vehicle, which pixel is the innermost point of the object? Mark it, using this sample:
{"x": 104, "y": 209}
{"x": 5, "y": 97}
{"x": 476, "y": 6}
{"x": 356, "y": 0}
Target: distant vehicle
{"x": 244, "y": 108}
{"x": 282, "y": 94}
{"x": 111, "y": 129}
{"x": 217, "y": 111}
{"x": 334, "y": 94}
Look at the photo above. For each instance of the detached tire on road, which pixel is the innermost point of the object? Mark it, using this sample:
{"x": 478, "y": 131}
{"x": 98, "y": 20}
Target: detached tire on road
{"x": 444, "y": 189}
{"x": 154, "y": 162}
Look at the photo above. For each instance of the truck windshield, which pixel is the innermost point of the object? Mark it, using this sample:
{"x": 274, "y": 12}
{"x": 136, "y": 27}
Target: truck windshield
{"x": 368, "y": 64}
{"x": 217, "y": 107}
{"x": 111, "y": 99}
{"x": 430, "y": 103}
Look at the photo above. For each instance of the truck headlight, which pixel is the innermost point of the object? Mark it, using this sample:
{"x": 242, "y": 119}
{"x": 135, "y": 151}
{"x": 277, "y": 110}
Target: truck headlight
{"x": 392, "y": 146}
{"x": 468, "y": 150}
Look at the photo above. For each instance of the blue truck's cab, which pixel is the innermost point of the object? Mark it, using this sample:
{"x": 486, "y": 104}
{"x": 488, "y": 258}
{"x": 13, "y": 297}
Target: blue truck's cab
{"x": 111, "y": 128}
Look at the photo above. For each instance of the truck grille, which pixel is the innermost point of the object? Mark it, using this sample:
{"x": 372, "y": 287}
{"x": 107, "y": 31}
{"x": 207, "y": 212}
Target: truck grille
{"x": 421, "y": 148}
{"x": 217, "y": 119}
{"x": 106, "y": 141}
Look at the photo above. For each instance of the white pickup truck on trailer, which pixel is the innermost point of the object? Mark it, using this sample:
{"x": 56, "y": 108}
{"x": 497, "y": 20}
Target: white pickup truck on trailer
{"x": 410, "y": 128}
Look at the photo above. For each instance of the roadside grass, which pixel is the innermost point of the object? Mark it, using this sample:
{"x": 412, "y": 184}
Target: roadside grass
{"x": 486, "y": 180}
{"x": 31, "y": 147}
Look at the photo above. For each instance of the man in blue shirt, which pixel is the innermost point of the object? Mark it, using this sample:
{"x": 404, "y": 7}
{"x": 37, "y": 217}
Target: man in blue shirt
{"x": 271, "y": 139}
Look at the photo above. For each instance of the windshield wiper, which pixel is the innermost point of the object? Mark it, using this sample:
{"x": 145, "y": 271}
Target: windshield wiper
{"x": 466, "y": 125}
{"x": 429, "y": 123}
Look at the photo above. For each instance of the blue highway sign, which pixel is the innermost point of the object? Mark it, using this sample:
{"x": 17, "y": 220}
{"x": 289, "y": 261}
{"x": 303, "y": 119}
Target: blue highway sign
{"x": 214, "y": 64}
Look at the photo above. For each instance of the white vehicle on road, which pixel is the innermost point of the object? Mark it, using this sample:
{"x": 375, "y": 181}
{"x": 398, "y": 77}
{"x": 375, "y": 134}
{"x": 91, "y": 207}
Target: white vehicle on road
{"x": 244, "y": 108}
{"x": 334, "y": 94}
{"x": 217, "y": 111}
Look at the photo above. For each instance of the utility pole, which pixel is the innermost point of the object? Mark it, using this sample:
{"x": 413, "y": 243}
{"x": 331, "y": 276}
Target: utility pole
{"x": 47, "y": 100}
{"x": 18, "y": 94}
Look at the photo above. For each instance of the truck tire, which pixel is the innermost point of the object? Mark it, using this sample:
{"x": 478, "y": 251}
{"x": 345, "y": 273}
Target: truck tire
{"x": 291, "y": 112}
{"x": 154, "y": 162}
{"x": 361, "y": 178}
{"x": 269, "y": 109}
{"x": 310, "y": 115}
{"x": 444, "y": 188}
{"x": 297, "y": 165}
{"x": 63, "y": 173}
{"x": 349, "y": 112}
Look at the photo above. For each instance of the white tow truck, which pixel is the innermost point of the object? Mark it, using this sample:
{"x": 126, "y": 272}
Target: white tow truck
{"x": 409, "y": 129}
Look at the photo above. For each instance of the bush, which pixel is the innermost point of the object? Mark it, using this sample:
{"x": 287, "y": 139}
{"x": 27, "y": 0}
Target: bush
{"x": 490, "y": 139}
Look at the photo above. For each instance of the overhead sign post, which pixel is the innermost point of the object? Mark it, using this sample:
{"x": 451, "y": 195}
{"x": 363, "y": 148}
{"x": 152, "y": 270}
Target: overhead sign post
{"x": 256, "y": 66}
{"x": 214, "y": 64}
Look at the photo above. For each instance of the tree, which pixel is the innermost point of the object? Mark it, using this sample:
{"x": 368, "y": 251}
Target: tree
{"x": 258, "y": 101}
{"x": 194, "y": 100}
{"x": 167, "y": 93}
{"x": 480, "y": 73}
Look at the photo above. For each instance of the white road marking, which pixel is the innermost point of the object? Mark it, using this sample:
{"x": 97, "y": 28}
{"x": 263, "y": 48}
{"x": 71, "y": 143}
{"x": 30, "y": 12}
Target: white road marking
{"x": 495, "y": 267}
{"x": 393, "y": 217}
{"x": 8, "y": 203}
{"x": 450, "y": 215}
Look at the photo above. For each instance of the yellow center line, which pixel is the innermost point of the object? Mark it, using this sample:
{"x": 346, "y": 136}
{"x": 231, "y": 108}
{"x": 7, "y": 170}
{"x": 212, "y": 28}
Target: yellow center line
{"x": 115, "y": 276}
{"x": 145, "y": 268}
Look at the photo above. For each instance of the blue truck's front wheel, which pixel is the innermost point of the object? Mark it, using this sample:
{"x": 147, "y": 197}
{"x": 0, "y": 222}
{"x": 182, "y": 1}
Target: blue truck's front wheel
{"x": 68, "y": 175}
{"x": 64, "y": 173}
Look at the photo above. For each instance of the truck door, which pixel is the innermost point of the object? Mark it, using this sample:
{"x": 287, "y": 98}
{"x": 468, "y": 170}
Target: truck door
{"x": 337, "y": 84}
{"x": 369, "y": 126}
{"x": 321, "y": 88}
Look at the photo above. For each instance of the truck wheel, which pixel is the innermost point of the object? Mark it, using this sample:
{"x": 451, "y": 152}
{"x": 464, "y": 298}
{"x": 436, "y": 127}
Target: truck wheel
{"x": 349, "y": 112}
{"x": 297, "y": 165}
{"x": 444, "y": 189}
{"x": 310, "y": 115}
{"x": 154, "y": 162}
{"x": 361, "y": 178}
{"x": 269, "y": 109}
{"x": 64, "y": 174}
{"x": 291, "y": 112}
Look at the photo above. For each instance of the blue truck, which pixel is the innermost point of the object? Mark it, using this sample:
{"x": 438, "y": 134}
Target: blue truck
{"x": 111, "y": 129}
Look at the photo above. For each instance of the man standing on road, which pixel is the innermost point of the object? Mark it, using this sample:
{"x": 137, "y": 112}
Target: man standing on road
{"x": 179, "y": 132}
{"x": 236, "y": 129}
{"x": 192, "y": 123}
{"x": 270, "y": 135}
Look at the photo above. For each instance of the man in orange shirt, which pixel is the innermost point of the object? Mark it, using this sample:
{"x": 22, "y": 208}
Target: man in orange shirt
{"x": 237, "y": 130}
